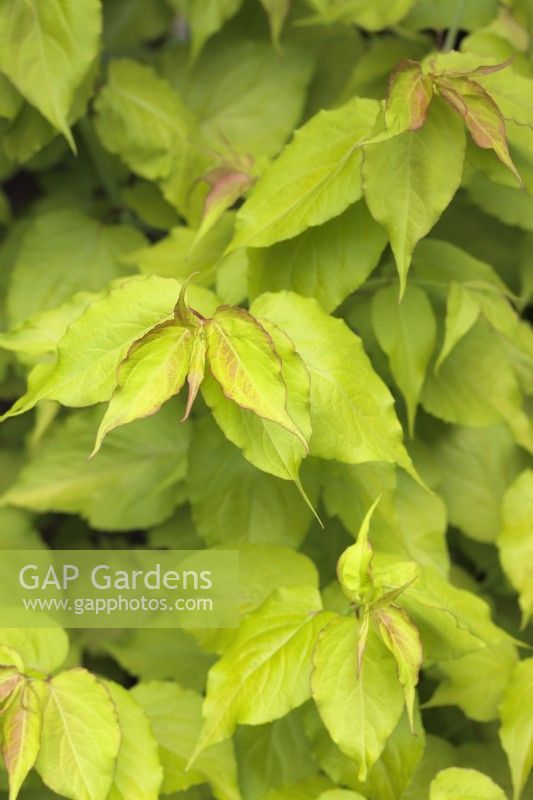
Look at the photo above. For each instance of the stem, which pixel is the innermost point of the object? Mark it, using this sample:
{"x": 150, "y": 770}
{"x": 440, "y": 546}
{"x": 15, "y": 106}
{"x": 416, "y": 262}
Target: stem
{"x": 451, "y": 36}
{"x": 100, "y": 160}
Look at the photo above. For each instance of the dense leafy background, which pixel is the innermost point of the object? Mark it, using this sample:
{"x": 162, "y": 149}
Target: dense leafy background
{"x": 142, "y": 141}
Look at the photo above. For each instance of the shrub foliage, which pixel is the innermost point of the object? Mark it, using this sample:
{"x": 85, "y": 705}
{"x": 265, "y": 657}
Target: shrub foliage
{"x": 305, "y": 229}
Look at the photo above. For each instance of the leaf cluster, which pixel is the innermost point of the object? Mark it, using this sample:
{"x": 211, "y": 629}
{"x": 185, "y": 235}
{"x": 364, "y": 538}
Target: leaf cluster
{"x": 266, "y": 277}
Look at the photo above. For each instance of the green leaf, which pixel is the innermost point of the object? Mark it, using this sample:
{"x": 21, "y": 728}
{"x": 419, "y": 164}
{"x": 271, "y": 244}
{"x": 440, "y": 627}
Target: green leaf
{"x": 46, "y": 51}
{"x": 63, "y": 252}
{"x": 403, "y": 640}
{"x": 482, "y": 116}
{"x": 21, "y": 729}
{"x": 392, "y": 772}
{"x": 428, "y": 13}
{"x": 438, "y": 754}
{"x": 516, "y": 732}
{"x": 422, "y": 522}
{"x": 452, "y": 622}
{"x": 341, "y": 794}
{"x": 461, "y": 63}
{"x": 27, "y": 134}
{"x": 138, "y": 773}
{"x": 142, "y": 119}
{"x": 350, "y": 490}
{"x": 35, "y": 391}
{"x": 517, "y": 334}
{"x": 247, "y": 96}
{"x": 239, "y": 504}
{"x": 352, "y": 414}
{"x": 264, "y": 673}
{"x": 462, "y": 311}
{"x": 40, "y": 333}
{"x": 80, "y": 736}
{"x": 30, "y": 136}
{"x": 477, "y": 386}
{"x": 487, "y": 757}
{"x": 17, "y": 531}
{"x": 408, "y": 99}
{"x": 273, "y": 756}
{"x": 406, "y": 332}
{"x": 42, "y": 650}
{"x": 10, "y": 100}
{"x": 308, "y": 789}
{"x": 277, "y": 11}
{"x": 474, "y": 467}
{"x": 440, "y": 262}
{"x": 353, "y": 568}
{"x": 132, "y": 484}
{"x": 243, "y": 360}
{"x": 371, "y": 17}
{"x": 371, "y": 70}
{"x": 161, "y": 654}
{"x": 409, "y": 521}
{"x": 360, "y": 713}
{"x": 476, "y": 682}
{"x": 515, "y": 540}
{"x": 267, "y": 445}
{"x": 205, "y": 17}
{"x": 147, "y": 202}
{"x": 410, "y": 179}
{"x": 264, "y": 569}
{"x": 99, "y": 339}
{"x": 126, "y": 26}
{"x": 511, "y": 92}
{"x": 154, "y": 370}
{"x": 328, "y": 262}
{"x": 315, "y": 178}
{"x": 464, "y": 784}
{"x": 179, "y": 254}
{"x": 511, "y": 205}
{"x": 175, "y": 717}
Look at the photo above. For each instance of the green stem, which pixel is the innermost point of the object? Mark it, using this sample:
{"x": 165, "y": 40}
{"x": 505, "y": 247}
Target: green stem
{"x": 101, "y": 161}
{"x": 451, "y": 36}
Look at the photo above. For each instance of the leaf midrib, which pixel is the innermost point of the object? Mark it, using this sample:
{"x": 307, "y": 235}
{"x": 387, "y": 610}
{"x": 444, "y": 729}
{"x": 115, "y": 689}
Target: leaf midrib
{"x": 237, "y": 688}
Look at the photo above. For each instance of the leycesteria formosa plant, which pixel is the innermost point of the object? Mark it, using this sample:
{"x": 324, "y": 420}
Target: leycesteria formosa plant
{"x": 265, "y": 283}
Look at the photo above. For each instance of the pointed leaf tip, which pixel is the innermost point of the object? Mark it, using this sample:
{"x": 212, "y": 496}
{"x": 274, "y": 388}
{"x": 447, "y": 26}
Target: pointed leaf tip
{"x": 482, "y": 117}
{"x": 196, "y": 369}
{"x": 402, "y": 638}
{"x": 354, "y": 565}
{"x": 308, "y": 502}
{"x": 154, "y": 370}
{"x": 182, "y": 312}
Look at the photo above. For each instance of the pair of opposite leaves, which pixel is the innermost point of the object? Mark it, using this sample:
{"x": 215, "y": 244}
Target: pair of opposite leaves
{"x": 411, "y": 91}
{"x": 376, "y": 606}
{"x": 239, "y": 350}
